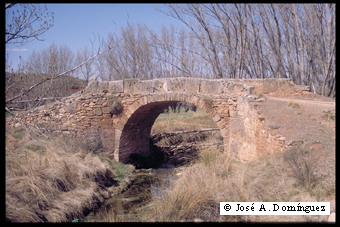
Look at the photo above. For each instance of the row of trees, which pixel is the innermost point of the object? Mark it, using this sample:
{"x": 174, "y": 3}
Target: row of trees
{"x": 216, "y": 41}
{"x": 232, "y": 41}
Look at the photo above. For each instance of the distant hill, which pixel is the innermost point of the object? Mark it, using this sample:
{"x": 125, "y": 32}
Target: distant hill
{"x": 50, "y": 90}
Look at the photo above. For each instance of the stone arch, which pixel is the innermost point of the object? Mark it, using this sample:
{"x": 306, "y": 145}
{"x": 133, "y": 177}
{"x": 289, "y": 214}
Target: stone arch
{"x": 133, "y": 130}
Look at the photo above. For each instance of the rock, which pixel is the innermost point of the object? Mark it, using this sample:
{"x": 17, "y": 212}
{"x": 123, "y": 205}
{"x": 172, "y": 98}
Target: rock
{"x": 261, "y": 99}
{"x": 216, "y": 118}
{"x": 62, "y": 110}
{"x": 198, "y": 220}
{"x": 261, "y": 118}
{"x": 294, "y": 142}
{"x": 97, "y": 111}
{"x": 273, "y": 126}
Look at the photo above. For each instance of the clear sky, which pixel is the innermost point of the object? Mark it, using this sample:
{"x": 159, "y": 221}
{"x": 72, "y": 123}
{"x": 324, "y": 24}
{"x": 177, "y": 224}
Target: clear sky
{"x": 76, "y": 24}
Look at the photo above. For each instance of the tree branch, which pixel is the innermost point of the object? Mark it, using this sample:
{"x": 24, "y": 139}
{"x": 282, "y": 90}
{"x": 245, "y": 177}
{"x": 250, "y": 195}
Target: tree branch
{"x": 59, "y": 75}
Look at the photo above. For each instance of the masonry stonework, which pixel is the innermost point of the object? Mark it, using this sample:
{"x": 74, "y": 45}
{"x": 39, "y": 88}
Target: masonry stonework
{"x": 231, "y": 103}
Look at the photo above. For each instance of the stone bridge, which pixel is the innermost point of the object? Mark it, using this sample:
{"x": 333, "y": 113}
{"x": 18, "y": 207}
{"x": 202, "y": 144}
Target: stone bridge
{"x": 231, "y": 103}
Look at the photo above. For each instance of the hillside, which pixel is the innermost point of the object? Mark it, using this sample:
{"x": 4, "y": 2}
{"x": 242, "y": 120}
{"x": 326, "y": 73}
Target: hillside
{"x": 61, "y": 87}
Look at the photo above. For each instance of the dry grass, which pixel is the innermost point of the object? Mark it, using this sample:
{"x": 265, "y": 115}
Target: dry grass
{"x": 51, "y": 181}
{"x": 196, "y": 194}
{"x": 168, "y": 122}
{"x": 214, "y": 178}
{"x": 293, "y": 105}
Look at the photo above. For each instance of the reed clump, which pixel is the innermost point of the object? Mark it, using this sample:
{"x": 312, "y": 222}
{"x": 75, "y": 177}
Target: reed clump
{"x": 50, "y": 181}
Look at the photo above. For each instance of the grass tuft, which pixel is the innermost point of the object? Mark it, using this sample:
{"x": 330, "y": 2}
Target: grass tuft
{"x": 293, "y": 105}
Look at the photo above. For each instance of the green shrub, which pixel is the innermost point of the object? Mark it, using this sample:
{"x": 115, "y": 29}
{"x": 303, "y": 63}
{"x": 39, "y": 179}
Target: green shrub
{"x": 115, "y": 105}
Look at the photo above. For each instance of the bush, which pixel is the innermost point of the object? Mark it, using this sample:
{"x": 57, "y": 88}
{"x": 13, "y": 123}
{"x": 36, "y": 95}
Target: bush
{"x": 115, "y": 105}
{"x": 303, "y": 168}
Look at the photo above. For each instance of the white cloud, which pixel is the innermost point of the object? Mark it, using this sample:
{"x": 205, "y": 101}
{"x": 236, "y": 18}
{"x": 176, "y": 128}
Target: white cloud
{"x": 16, "y": 49}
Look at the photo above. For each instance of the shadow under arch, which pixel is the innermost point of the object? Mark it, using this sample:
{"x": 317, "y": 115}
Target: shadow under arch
{"x": 133, "y": 130}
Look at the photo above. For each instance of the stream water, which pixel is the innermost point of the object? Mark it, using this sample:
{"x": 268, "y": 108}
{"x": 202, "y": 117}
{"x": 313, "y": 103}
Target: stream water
{"x": 147, "y": 186}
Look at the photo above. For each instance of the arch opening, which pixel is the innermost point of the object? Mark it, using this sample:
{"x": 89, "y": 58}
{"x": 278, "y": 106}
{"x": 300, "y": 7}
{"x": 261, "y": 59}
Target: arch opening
{"x": 135, "y": 136}
{"x": 134, "y": 140}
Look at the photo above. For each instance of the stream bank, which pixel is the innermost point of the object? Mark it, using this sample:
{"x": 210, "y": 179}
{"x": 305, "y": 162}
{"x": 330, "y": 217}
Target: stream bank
{"x": 132, "y": 202}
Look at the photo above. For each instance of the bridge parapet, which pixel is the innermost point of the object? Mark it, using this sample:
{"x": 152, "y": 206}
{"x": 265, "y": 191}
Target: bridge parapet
{"x": 191, "y": 85}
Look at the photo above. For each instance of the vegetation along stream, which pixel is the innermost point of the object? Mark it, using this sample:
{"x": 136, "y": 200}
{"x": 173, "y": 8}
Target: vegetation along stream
{"x": 147, "y": 186}
{"x": 171, "y": 152}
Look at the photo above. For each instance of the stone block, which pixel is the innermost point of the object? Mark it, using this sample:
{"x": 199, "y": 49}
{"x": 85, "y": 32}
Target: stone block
{"x": 192, "y": 85}
{"x": 106, "y": 110}
{"x": 62, "y": 110}
{"x": 92, "y": 87}
{"x": 223, "y": 110}
{"x": 97, "y": 111}
{"x": 175, "y": 84}
{"x": 210, "y": 87}
{"x": 216, "y": 118}
{"x": 146, "y": 86}
{"x": 250, "y": 89}
{"x": 116, "y": 86}
{"x": 106, "y": 122}
{"x": 159, "y": 85}
{"x": 103, "y": 86}
{"x": 131, "y": 86}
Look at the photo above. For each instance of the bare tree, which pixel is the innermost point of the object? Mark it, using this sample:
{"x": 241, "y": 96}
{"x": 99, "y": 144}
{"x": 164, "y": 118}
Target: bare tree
{"x": 26, "y": 22}
{"x": 86, "y": 70}
{"x": 258, "y": 41}
{"x": 132, "y": 58}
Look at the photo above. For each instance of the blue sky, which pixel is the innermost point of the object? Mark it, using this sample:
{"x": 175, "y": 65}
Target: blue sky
{"x": 76, "y": 24}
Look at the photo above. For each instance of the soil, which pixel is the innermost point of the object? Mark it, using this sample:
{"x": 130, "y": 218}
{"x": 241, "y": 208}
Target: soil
{"x": 303, "y": 118}
{"x": 306, "y": 121}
